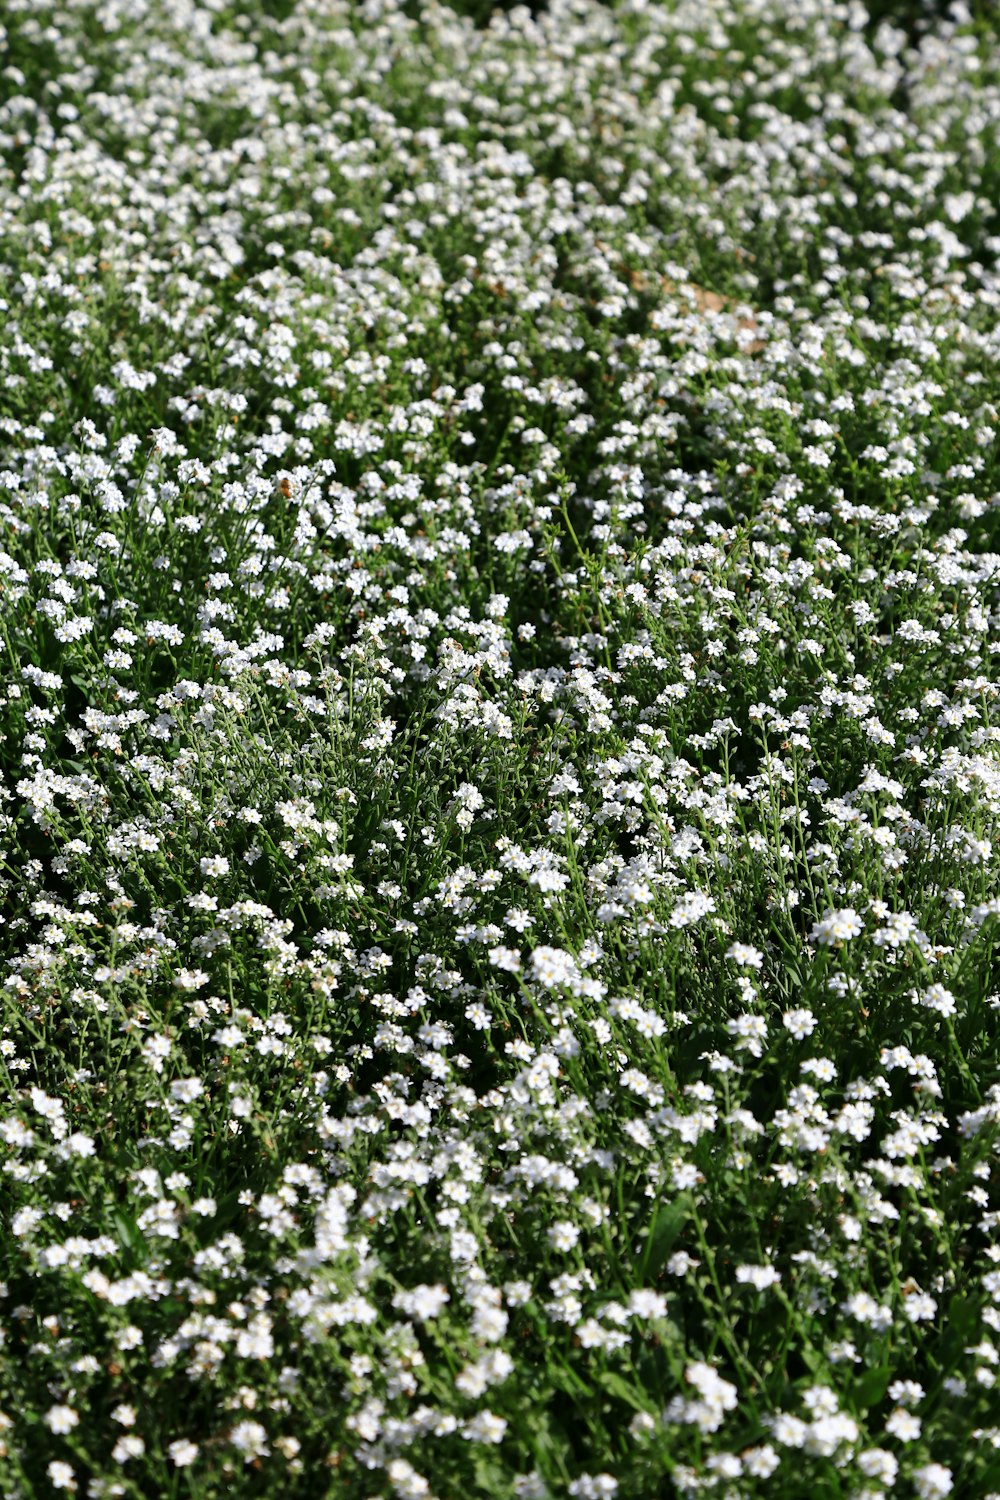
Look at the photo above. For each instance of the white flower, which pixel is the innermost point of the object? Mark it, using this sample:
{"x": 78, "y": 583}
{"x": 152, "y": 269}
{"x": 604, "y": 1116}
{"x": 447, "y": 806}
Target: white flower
{"x": 485, "y": 1427}
{"x": 837, "y": 927}
{"x": 250, "y": 1439}
{"x": 644, "y": 1303}
{"x": 760, "y": 1463}
{"x": 25, "y": 1220}
{"x": 958, "y": 206}
{"x": 405, "y": 1480}
{"x": 919, "y": 1307}
{"x": 423, "y": 1302}
{"x": 553, "y": 967}
{"x": 684, "y": 1176}
{"x": 878, "y": 1464}
{"x": 186, "y": 1090}
{"x": 182, "y": 1452}
{"x": 938, "y": 999}
{"x": 745, "y": 955}
{"x": 61, "y": 1419}
{"x": 750, "y": 1033}
{"x": 759, "y": 1277}
{"x": 903, "y": 1425}
{"x": 505, "y": 958}
{"x": 129, "y": 1446}
{"x": 190, "y": 979}
{"x": 692, "y": 906}
{"x": 156, "y": 1049}
{"x": 593, "y": 1487}
{"x": 865, "y": 1309}
{"x": 932, "y": 1482}
{"x": 715, "y": 1397}
{"x": 788, "y": 1430}
{"x": 563, "y": 1235}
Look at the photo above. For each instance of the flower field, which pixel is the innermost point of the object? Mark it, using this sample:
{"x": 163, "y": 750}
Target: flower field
{"x": 499, "y": 750}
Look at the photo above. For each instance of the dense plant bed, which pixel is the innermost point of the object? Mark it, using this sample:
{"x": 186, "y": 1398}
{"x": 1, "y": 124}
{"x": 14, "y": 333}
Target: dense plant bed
{"x": 499, "y": 601}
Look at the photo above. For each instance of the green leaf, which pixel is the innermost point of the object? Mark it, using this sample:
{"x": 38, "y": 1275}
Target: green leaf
{"x": 963, "y": 1317}
{"x": 617, "y": 1385}
{"x": 664, "y": 1231}
{"x": 130, "y": 1234}
{"x": 490, "y": 1477}
{"x": 812, "y": 1359}
{"x": 567, "y": 1380}
{"x": 872, "y": 1386}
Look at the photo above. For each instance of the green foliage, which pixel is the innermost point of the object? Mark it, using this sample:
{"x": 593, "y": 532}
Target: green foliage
{"x": 498, "y": 763}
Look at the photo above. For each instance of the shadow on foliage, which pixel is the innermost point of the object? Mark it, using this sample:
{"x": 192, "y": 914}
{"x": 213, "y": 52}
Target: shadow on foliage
{"x": 915, "y": 17}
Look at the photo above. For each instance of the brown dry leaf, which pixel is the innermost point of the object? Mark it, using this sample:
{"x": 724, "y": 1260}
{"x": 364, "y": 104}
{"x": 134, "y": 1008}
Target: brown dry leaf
{"x": 711, "y": 302}
{"x": 702, "y": 299}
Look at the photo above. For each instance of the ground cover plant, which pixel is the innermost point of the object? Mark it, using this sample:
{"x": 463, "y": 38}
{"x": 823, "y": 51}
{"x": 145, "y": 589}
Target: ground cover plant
{"x": 500, "y": 599}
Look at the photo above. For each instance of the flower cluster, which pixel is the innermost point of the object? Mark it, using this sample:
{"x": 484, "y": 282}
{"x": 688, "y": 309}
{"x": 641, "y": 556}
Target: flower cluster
{"x": 499, "y": 591}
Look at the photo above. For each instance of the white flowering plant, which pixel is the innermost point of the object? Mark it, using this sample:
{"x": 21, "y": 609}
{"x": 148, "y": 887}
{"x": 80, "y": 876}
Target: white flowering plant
{"x": 499, "y": 592}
